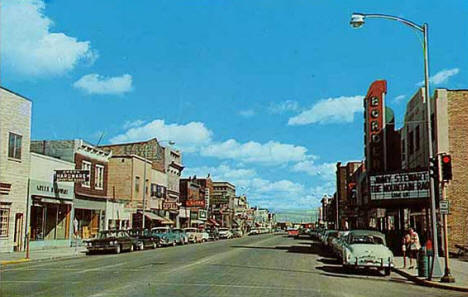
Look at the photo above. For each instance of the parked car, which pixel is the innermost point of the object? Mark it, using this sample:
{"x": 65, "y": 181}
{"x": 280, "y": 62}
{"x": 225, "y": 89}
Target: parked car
{"x": 113, "y": 240}
{"x": 143, "y": 239}
{"x": 337, "y": 243}
{"x": 225, "y": 233}
{"x": 195, "y": 235}
{"x": 303, "y": 232}
{"x": 237, "y": 233}
{"x": 167, "y": 236}
{"x": 366, "y": 249}
{"x": 331, "y": 235}
{"x": 292, "y": 231}
{"x": 213, "y": 234}
{"x": 254, "y": 232}
{"x": 183, "y": 236}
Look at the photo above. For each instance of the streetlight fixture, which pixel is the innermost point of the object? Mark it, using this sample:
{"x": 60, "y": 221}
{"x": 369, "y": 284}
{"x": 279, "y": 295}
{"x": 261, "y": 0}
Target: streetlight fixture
{"x": 357, "y": 21}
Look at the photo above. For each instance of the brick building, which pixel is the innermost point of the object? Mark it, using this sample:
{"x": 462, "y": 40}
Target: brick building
{"x": 15, "y": 135}
{"x": 91, "y": 200}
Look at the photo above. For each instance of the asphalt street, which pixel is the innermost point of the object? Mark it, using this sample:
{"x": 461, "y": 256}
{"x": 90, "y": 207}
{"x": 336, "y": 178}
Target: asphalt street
{"x": 264, "y": 265}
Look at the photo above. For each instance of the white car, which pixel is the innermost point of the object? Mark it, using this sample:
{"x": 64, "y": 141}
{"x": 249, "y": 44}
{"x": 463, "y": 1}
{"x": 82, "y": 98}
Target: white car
{"x": 194, "y": 236}
{"x": 366, "y": 249}
{"x": 225, "y": 233}
{"x": 254, "y": 232}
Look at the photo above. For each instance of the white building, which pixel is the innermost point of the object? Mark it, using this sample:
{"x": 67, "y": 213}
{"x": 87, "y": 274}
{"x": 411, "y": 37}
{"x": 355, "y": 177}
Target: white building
{"x": 15, "y": 135}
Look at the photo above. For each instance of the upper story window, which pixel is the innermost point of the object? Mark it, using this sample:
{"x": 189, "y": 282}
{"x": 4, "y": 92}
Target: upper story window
{"x": 85, "y": 165}
{"x": 14, "y": 146}
{"x": 137, "y": 184}
{"x": 417, "y": 139}
{"x": 99, "y": 177}
{"x": 411, "y": 143}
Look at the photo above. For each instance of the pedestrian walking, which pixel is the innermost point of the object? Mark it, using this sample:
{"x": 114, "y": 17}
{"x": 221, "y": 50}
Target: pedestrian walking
{"x": 414, "y": 247}
{"x": 405, "y": 242}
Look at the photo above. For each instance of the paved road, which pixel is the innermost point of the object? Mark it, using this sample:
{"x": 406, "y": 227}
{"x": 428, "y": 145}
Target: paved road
{"x": 264, "y": 265}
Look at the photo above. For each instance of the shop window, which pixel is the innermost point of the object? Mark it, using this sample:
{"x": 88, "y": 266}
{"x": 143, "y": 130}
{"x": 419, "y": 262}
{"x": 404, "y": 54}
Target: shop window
{"x": 99, "y": 177}
{"x": 14, "y": 146}
{"x": 85, "y": 165}
{"x": 4, "y": 221}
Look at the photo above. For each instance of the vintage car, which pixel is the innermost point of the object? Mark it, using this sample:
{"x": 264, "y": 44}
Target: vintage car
{"x": 303, "y": 232}
{"x": 337, "y": 243}
{"x": 366, "y": 249}
{"x": 144, "y": 239}
{"x": 167, "y": 236}
{"x": 237, "y": 233}
{"x": 112, "y": 240}
{"x": 184, "y": 236}
{"x": 225, "y": 233}
{"x": 213, "y": 234}
{"x": 254, "y": 232}
{"x": 292, "y": 231}
{"x": 194, "y": 235}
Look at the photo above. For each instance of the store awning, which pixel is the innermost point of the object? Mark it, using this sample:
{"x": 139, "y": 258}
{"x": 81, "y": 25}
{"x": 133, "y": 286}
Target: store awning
{"x": 155, "y": 217}
{"x": 196, "y": 222}
{"x": 213, "y": 222}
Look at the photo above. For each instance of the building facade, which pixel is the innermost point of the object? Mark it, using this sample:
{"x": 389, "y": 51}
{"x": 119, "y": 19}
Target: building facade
{"x": 15, "y": 135}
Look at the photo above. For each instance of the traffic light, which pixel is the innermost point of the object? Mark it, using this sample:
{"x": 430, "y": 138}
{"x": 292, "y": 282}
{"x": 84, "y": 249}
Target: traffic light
{"x": 446, "y": 161}
{"x": 433, "y": 167}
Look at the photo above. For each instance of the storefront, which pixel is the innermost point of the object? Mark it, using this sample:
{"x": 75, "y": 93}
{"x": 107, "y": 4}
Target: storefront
{"x": 116, "y": 216}
{"x": 51, "y": 207}
{"x": 90, "y": 216}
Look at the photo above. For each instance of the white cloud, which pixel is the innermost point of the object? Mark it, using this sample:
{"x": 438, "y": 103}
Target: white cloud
{"x": 30, "y": 49}
{"x": 331, "y": 110}
{"x": 222, "y": 172}
{"x": 96, "y": 84}
{"x": 188, "y": 137}
{"x": 399, "y": 98}
{"x": 288, "y": 105}
{"x": 269, "y": 153}
{"x": 132, "y": 124}
{"x": 441, "y": 76}
{"x": 325, "y": 170}
{"x": 247, "y": 113}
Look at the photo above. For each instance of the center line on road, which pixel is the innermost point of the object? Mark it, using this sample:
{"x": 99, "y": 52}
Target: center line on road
{"x": 100, "y": 268}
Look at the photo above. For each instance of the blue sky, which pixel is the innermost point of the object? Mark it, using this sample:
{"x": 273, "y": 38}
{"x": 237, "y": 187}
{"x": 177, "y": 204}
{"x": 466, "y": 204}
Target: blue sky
{"x": 265, "y": 94}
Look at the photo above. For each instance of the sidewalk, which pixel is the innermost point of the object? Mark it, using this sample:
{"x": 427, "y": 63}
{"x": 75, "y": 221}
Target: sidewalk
{"x": 42, "y": 255}
{"x": 458, "y": 269}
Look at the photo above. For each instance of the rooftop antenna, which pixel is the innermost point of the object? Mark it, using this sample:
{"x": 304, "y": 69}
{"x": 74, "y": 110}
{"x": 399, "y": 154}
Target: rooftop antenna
{"x": 100, "y": 138}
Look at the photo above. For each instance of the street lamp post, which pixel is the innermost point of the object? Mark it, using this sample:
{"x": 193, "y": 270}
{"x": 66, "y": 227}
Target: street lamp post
{"x": 357, "y": 20}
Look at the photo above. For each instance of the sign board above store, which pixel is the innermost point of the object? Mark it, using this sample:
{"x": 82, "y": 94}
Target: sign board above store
{"x": 75, "y": 175}
{"x": 170, "y": 205}
{"x": 404, "y": 185}
{"x": 195, "y": 203}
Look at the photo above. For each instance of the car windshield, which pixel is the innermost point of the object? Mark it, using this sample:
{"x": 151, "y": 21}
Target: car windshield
{"x": 104, "y": 235}
{"x": 160, "y": 231}
{"x": 366, "y": 239}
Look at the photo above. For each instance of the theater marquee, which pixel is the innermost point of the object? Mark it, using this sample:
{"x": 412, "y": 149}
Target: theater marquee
{"x": 404, "y": 185}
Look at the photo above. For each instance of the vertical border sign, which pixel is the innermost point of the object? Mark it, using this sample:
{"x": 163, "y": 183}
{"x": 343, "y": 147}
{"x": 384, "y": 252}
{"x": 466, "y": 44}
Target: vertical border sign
{"x": 374, "y": 105}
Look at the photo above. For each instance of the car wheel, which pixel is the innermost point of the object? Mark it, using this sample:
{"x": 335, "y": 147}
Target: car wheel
{"x": 117, "y": 249}
{"x": 141, "y": 246}
{"x": 203, "y": 240}
{"x": 154, "y": 245}
{"x": 182, "y": 241}
{"x": 174, "y": 243}
{"x": 387, "y": 271}
{"x": 131, "y": 248}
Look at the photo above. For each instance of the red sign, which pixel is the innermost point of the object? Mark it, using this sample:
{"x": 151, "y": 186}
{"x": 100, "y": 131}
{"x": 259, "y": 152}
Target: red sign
{"x": 195, "y": 203}
{"x": 374, "y": 104}
{"x": 170, "y": 206}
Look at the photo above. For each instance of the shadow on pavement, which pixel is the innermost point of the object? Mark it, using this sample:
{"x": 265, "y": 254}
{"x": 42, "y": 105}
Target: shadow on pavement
{"x": 266, "y": 268}
{"x": 314, "y": 248}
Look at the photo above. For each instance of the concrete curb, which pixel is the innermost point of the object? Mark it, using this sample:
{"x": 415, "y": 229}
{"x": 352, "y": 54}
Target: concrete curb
{"x": 45, "y": 259}
{"x": 18, "y": 261}
{"x": 426, "y": 283}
